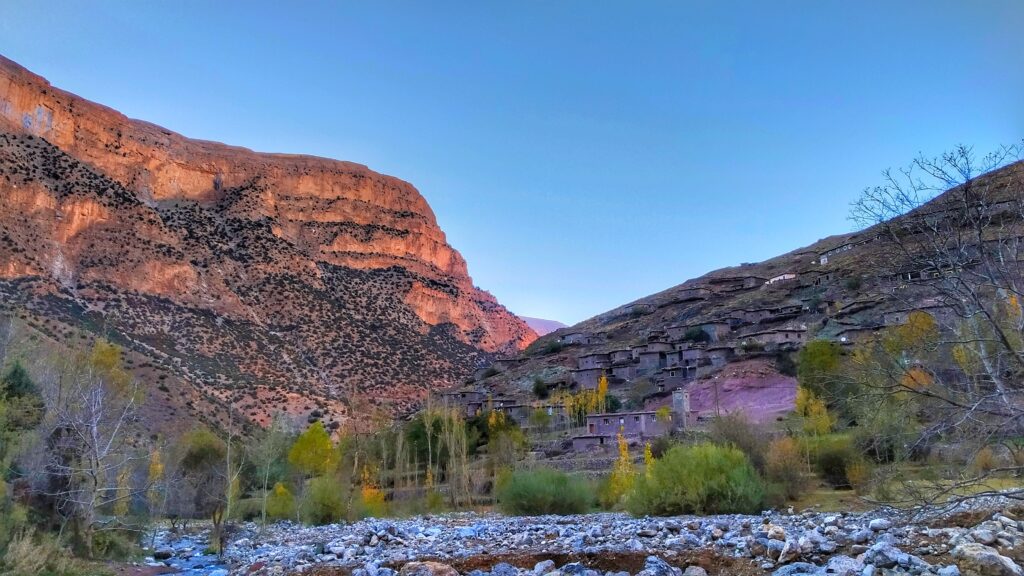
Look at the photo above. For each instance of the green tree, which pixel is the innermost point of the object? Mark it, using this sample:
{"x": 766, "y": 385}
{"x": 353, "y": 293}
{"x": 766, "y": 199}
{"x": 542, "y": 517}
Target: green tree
{"x": 818, "y": 366}
{"x": 17, "y": 382}
{"x": 313, "y": 454}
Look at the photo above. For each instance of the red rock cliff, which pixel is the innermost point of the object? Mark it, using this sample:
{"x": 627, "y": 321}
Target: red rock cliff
{"x": 212, "y": 227}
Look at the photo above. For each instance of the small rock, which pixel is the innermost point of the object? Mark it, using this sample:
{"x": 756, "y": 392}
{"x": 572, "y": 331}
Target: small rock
{"x": 543, "y": 567}
{"x": 695, "y": 571}
{"x": 986, "y": 537}
{"x": 776, "y": 532}
{"x": 879, "y": 524}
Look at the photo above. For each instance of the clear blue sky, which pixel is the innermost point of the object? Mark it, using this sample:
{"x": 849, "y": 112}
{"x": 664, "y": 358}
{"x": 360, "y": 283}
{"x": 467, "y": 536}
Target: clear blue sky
{"x": 580, "y": 154}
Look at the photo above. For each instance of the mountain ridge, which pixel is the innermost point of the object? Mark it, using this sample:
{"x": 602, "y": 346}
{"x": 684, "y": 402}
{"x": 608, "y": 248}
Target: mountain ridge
{"x": 248, "y": 276}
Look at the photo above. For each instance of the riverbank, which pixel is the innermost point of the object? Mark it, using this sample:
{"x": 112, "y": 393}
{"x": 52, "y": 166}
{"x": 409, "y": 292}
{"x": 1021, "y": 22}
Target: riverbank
{"x": 983, "y": 537}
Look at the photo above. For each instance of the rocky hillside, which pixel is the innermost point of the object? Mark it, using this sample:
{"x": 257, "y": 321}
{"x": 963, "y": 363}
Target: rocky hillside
{"x": 264, "y": 282}
{"x": 728, "y": 337}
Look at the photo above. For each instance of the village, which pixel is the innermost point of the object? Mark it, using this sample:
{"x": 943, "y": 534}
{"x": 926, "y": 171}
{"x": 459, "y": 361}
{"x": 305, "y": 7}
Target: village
{"x": 670, "y": 360}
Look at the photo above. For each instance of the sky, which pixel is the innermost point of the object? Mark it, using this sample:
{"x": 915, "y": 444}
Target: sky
{"x": 580, "y": 154}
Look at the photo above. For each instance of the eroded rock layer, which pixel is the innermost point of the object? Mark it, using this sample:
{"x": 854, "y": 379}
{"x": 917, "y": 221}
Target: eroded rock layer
{"x": 253, "y": 277}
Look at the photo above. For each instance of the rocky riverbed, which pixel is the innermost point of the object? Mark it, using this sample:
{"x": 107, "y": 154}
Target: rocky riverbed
{"x": 986, "y": 537}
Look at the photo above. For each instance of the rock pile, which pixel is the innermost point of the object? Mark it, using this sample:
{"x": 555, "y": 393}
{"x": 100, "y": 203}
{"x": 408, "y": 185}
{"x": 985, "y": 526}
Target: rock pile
{"x": 876, "y": 543}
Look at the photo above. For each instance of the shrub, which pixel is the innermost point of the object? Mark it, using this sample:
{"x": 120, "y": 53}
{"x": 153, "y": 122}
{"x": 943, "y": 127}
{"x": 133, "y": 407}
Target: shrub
{"x": 832, "y": 458}
{"x": 371, "y": 503}
{"x": 280, "y": 503}
{"x": 540, "y": 388}
{"x": 700, "y": 479}
{"x": 323, "y": 502}
{"x": 114, "y": 544}
{"x": 858, "y": 473}
{"x": 784, "y": 466}
{"x": 736, "y": 430}
{"x": 543, "y": 491}
{"x": 31, "y": 553}
{"x": 984, "y": 461}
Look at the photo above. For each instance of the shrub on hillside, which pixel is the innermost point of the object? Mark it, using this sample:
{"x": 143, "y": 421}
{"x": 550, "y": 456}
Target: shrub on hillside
{"x": 700, "y": 479}
{"x": 543, "y": 491}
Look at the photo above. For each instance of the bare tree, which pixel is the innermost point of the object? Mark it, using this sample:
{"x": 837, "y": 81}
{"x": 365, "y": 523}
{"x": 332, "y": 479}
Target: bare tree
{"x": 88, "y": 445}
{"x": 949, "y": 232}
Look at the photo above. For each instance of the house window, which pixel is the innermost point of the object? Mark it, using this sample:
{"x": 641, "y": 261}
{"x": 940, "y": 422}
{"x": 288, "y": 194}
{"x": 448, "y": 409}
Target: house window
{"x": 636, "y": 418}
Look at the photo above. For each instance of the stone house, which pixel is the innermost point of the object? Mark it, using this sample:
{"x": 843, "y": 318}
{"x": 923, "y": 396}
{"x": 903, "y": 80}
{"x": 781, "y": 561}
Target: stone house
{"x": 587, "y": 378}
{"x": 649, "y": 362}
{"x": 621, "y": 356}
{"x": 644, "y": 424}
{"x": 572, "y": 338}
{"x": 623, "y": 371}
{"x": 776, "y": 337}
{"x": 473, "y": 401}
{"x": 784, "y": 277}
{"x": 594, "y": 360}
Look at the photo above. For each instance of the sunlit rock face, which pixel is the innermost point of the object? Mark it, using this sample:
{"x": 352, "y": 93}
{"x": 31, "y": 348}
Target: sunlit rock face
{"x": 305, "y": 275}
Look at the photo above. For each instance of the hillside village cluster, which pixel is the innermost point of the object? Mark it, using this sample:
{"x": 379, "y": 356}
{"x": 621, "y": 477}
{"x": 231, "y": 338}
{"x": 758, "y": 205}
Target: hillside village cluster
{"x": 675, "y": 357}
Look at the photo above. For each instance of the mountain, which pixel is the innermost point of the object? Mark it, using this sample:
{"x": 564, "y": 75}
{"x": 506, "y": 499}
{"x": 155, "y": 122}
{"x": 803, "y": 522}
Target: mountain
{"x": 541, "y": 326}
{"x": 729, "y": 337}
{"x": 242, "y": 280}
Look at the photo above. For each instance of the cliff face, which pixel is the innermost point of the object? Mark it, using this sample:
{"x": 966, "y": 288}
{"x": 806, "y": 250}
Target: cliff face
{"x": 307, "y": 274}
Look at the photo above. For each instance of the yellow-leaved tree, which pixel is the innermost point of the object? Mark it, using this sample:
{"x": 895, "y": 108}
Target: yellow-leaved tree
{"x": 622, "y": 478}
{"x": 313, "y": 454}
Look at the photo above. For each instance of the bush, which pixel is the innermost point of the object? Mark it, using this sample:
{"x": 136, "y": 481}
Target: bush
{"x": 700, "y": 479}
{"x": 736, "y": 430}
{"x": 114, "y": 544}
{"x": 784, "y": 466}
{"x": 323, "y": 503}
{"x": 543, "y": 491}
{"x": 831, "y": 456}
{"x": 858, "y": 473}
{"x": 31, "y": 553}
{"x": 540, "y": 388}
{"x": 280, "y": 503}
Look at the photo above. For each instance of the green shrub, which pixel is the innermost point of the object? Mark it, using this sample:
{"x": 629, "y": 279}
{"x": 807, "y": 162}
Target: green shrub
{"x": 280, "y": 503}
{"x": 543, "y": 491}
{"x": 114, "y": 544}
{"x": 737, "y": 430}
{"x": 540, "y": 388}
{"x": 700, "y": 479}
{"x": 37, "y": 553}
{"x": 323, "y": 502}
{"x": 831, "y": 455}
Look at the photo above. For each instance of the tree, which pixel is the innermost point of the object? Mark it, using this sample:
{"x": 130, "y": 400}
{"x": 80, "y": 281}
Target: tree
{"x": 947, "y": 231}
{"x": 818, "y": 366}
{"x": 269, "y": 455}
{"x": 202, "y": 465}
{"x": 90, "y": 426}
{"x": 313, "y": 454}
{"x": 17, "y": 382}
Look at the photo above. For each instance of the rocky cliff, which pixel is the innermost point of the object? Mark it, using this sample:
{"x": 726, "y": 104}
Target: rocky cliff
{"x": 262, "y": 281}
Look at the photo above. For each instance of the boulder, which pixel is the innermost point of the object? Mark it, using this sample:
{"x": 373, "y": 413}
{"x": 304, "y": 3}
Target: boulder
{"x": 655, "y": 566}
{"x": 979, "y": 560}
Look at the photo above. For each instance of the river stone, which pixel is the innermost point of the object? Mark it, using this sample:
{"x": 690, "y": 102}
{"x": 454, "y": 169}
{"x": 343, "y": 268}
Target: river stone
{"x": 980, "y": 560}
{"x": 543, "y": 567}
{"x": 879, "y": 524}
{"x": 695, "y": 571}
{"x": 655, "y": 566}
{"x": 427, "y": 569}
